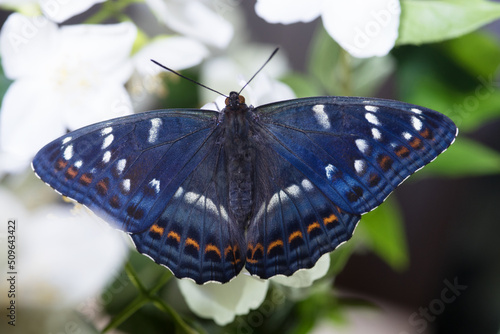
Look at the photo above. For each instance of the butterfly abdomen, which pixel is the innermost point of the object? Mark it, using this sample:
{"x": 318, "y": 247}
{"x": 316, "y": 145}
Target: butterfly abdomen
{"x": 240, "y": 153}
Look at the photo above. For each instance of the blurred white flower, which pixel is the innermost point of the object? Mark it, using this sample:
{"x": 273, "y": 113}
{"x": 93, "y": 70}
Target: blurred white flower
{"x": 175, "y": 52}
{"x": 364, "y": 28}
{"x": 194, "y": 18}
{"x": 57, "y": 11}
{"x": 223, "y": 302}
{"x": 64, "y": 78}
{"x": 61, "y": 259}
{"x": 231, "y": 73}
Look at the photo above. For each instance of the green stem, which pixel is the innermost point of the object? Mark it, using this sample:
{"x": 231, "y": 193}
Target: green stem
{"x": 112, "y": 9}
{"x": 345, "y": 59}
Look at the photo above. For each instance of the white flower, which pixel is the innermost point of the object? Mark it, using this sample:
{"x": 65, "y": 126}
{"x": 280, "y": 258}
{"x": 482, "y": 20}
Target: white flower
{"x": 56, "y": 10}
{"x": 364, "y": 28}
{"x": 65, "y": 78}
{"x": 62, "y": 259}
{"x": 223, "y": 302}
{"x": 194, "y": 18}
{"x": 231, "y": 73}
{"x": 175, "y": 52}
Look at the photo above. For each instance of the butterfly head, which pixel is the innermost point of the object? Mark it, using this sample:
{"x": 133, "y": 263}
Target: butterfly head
{"x": 235, "y": 101}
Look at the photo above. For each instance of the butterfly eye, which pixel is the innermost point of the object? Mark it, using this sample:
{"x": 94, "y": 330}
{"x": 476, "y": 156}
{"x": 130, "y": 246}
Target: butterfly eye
{"x": 242, "y": 99}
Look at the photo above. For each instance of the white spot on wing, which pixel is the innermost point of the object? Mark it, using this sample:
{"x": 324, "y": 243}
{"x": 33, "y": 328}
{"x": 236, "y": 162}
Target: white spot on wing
{"x": 416, "y": 111}
{"x": 78, "y": 164}
{"x": 376, "y": 134}
{"x": 153, "y": 131}
{"x": 120, "y": 166}
{"x": 321, "y": 116}
{"x": 330, "y": 170}
{"x": 107, "y": 141}
{"x": 293, "y": 190}
{"x": 362, "y": 145}
{"x": 417, "y": 123}
{"x": 307, "y": 185}
{"x": 407, "y": 135}
{"x": 155, "y": 184}
{"x": 126, "y": 185}
{"x": 372, "y": 118}
{"x": 359, "y": 166}
{"x": 68, "y": 152}
{"x": 205, "y": 203}
{"x": 67, "y": 139}
{"x": 371, "y": 108}
{"x": 191, "y": 197}
{"x": 106, "y": 157}
{"x": 277, "y": 197}
{"x": 106, "y": 131}
{"x": 179, "y": 192}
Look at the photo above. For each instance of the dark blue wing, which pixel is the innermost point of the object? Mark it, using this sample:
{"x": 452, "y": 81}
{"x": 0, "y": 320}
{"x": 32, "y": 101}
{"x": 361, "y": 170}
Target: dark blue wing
{"x": 196, "y": 236}
{"x": 126, "y": 169}
{"x": 356, "y": 151}
{"x": 294, "y": 222}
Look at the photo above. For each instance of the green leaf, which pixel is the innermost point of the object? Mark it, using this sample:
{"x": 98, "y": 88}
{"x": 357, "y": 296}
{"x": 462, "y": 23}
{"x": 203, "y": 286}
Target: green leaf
{"x": 478, "y": 53}
{"x": 431, "y": 77}
{"x": 434, "y": 21}
{"x": 338, "y": 73}
{"x": 385, "y": 235}
{"x": 465, "y": 157}
{"x": 302, "y": 85}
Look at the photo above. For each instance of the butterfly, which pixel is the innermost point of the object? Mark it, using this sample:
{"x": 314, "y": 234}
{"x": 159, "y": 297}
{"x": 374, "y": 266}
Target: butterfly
{"x": 269, "y": 188}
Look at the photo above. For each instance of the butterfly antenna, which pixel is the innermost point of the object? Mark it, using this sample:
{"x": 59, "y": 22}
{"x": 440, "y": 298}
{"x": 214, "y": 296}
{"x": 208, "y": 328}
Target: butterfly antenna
{"x": 260, "y": 69}
{"x": 189, "y": 79}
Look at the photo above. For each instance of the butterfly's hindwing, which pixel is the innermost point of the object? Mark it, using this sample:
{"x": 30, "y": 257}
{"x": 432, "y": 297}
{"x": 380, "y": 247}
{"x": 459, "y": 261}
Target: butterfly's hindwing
{"x": 294, "y": 223}
{"x": 195, "y": 236}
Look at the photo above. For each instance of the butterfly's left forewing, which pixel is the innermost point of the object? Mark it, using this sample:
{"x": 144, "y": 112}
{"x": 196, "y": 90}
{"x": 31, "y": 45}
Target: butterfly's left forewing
{"x": 127, "y": 168}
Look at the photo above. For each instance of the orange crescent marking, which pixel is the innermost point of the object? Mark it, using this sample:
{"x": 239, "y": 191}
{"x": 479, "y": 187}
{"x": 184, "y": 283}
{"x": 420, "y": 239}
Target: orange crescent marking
{"x": 416, "y": 143}
{"x": 312, "y": 226}
{"x": 192, "y": 242}
{"x": 274, "y": 244}
{"x": 253, "y": 249}
{"x": 330, "y": 219}
{"x": 402, "y": 151}
{"x": 233, "y": 250}
{"x": 71, "y": 172}
{"x": 61, "y": 164}
{"x": 212, "y": 248}
{"x": 157, "y": 229}
{"x": 174, "y": 235}
{"x": 85, "y": 179}
{"x": 294, "y": 235}
{"x": 426, "y": 133}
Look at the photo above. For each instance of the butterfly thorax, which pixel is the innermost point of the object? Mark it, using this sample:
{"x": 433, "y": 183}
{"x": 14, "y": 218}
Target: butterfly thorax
{"x": 240, "y": 153}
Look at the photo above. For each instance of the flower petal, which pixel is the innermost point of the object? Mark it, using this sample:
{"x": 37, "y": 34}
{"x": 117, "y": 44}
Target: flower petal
{"x": 84, "y": 259}
{"x": 222, "y": 302}
{"x": 288, "y": 11}
{"x": 105, "y": 47}
{"x": 60, "y": 11}
{"x": 194, "y": 19}
{"x": 26, "y": 124}
{"x": 364, "y": 28}
{"x": 305, "y": 277}
{"x": 27, "y": 45}
{"x": 175, "y": 52}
